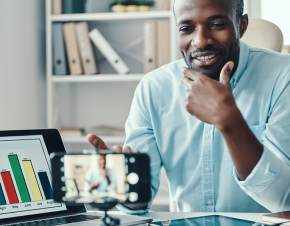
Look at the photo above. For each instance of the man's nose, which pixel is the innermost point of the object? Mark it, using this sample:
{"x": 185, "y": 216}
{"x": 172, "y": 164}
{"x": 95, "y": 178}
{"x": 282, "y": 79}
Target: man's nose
{"x": 202, "y": 37}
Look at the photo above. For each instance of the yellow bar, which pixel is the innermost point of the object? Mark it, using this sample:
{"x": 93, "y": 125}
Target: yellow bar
{"x": 32, "y": 180}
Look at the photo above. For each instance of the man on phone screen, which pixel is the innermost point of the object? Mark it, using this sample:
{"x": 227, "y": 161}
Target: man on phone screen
{"x": 217, "y": 120}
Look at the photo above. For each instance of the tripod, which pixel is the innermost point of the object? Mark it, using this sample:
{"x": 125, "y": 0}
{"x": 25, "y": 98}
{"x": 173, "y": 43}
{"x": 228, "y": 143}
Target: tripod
{"x": 107, "y": 220}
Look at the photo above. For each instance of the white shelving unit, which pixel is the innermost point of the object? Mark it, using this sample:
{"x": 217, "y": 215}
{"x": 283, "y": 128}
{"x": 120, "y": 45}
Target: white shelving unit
{"x": 54, "y": 81}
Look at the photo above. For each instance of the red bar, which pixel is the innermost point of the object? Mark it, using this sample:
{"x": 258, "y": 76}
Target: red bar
{"x": 9, "y": 187}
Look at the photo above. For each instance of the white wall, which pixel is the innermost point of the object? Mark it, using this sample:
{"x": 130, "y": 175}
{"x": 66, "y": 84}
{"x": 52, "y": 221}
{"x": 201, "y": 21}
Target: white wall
{"x": 22, "y": 64}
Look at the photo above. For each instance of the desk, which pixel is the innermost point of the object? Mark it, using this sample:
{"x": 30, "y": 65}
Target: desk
{"x": 160, "y": 216}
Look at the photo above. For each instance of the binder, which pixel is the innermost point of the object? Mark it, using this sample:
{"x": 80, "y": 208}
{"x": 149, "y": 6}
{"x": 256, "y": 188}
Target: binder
{"x": 58, "y": 51}
{"x": 163, "y": 39}
{"x": 86, "y": 49}
{"x": 107, "y": 50}
{"x": 149, "y": 45}
{"x": 73, "y": 6}
{"x": 97, "y": 6}
{"x": 56, "y": 6}
{"x": 165, "y": 5}
{"x": 72, "y": 50}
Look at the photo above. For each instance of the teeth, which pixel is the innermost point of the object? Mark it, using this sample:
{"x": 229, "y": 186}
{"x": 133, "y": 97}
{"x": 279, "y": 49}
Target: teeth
{"x": 205, "y": 58}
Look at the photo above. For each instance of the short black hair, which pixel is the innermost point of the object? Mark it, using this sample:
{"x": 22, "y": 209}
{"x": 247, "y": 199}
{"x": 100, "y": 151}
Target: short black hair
{"x": 238, "y": 5}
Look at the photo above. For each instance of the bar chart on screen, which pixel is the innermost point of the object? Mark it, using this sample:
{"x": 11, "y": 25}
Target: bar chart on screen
{"x": 24, "y": 182}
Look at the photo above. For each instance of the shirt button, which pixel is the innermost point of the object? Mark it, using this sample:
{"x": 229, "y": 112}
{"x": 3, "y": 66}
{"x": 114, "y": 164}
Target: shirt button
{"x": 209, "y": 203}
{"x": 208, "y": 136}
{"x": 207, "y": 169}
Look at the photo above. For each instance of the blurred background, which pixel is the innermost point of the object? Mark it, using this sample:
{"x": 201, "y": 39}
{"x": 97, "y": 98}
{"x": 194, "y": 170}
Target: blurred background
{"x": 33, "y": 96}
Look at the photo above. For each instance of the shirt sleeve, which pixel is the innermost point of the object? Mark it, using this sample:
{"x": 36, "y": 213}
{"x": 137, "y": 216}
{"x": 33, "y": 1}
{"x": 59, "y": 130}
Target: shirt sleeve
{"x": 269, "y": 182}
{"x": 140, "y": 136}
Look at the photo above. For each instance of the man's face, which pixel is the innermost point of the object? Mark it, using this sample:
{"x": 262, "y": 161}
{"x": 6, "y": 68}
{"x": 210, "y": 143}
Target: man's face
{"x": 102, "y": 161}
{"x": 207, "y": 34}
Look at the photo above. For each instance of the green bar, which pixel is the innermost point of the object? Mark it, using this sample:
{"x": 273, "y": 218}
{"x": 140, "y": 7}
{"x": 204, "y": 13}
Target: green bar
{"x": 18, "y": 175}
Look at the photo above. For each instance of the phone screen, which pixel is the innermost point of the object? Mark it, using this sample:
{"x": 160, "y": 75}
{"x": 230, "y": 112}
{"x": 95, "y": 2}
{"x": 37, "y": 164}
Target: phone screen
{"x": 106, "y": 178}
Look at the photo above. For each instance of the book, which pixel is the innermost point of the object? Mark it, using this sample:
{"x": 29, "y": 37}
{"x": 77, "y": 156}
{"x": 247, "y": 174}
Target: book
{"x": 149, "y": 45}
{"x": 104, "y": 130}
{"x": 58, "y": 50}
{"x": 165, "y": 5}
{"x": 277, "y": 217}
{"x": 72, "y": 49}
{"x": 56, "y": 7}
{"x": 71, "y": 131}
{"x": 109, "y": 53}
{"x": 73, "y": 6}
{"x": 163, "y": 42}
{"x": 86, "y": 49}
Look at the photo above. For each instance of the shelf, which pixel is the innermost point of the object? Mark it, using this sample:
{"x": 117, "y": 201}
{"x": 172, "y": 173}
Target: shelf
{"x": 112, "y": 16}
{"x": 97, "y": 78}
{"x": 83, "y": 139}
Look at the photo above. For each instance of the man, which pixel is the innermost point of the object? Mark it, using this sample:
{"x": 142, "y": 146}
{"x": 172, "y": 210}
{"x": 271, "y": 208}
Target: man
{"x": 218, "y": 121}
{"x": 99, "y": 178}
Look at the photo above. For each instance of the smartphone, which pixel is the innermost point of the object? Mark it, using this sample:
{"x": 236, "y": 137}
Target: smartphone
{"x": 101, "y": 178}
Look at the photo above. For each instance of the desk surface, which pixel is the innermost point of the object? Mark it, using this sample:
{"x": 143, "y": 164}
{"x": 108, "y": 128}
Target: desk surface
{"x": 160, "y": 216}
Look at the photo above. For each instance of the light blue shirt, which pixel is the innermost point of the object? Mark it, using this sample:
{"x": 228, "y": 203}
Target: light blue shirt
{"x": 194, "y": 154}
{"x": 93, "y": 176}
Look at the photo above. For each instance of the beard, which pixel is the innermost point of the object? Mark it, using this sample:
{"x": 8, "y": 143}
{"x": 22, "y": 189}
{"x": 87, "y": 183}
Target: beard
{"x": 225, "y": 56}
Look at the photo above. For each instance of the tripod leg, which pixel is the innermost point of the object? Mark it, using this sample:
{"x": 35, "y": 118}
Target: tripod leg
{"x": 110, "y": 221}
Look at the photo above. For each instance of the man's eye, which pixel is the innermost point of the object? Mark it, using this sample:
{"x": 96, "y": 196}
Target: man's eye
{"x": 185, "y": 29}
{"x": 218, "y": 25}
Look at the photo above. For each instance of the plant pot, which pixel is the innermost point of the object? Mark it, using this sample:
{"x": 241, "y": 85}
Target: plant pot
{"x": 144, "y": 8}
{"x": 131, "y": 8}
{"x": 119, "y": 8}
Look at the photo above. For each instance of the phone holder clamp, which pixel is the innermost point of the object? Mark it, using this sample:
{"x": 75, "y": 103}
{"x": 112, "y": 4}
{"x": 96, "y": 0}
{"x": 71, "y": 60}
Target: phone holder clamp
{"x": 107, "y": 220}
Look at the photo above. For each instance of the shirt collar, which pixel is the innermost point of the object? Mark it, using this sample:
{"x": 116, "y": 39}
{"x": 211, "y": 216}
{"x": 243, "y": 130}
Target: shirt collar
{"x": 242, "y": 65}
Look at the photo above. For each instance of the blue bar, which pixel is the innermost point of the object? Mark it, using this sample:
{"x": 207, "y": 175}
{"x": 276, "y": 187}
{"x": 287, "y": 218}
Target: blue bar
{"x": 45, "y": 184}
{"x": 2, "y": 198}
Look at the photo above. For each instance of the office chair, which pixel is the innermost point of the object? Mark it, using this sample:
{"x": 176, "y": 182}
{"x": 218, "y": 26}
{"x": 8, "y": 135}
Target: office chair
{"x": 264, "y": 34}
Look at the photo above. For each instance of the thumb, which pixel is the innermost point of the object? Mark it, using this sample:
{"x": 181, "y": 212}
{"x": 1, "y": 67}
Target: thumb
{"x": 226, "y": 72}
{"x": 92, "y": 138}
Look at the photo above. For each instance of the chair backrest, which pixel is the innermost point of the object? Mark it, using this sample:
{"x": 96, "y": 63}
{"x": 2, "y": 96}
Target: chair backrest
{"x": 264, "y": 34}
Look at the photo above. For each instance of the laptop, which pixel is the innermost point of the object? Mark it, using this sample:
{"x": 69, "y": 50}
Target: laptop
{"x": 25, "y": 183}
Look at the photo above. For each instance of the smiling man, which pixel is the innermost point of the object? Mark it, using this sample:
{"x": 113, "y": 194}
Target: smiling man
{"x": 218, "y": 120}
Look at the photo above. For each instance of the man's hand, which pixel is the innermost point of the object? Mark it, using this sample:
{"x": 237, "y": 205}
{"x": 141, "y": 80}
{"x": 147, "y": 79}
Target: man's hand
{"x": 94, "y": 186}
{"x": 213, "y": 102}
{"x": 208, "y": 100}
{"x": 92, "y": 138}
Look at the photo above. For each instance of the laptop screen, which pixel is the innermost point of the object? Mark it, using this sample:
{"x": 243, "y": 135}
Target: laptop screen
{"x": 25, "y": 177}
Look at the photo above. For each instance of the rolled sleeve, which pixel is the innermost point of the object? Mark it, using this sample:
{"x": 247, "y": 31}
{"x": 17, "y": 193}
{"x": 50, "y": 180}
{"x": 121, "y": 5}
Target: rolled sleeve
{"x": 269, "y": 182}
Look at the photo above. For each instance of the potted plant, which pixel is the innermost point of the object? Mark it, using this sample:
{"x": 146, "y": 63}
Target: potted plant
{"x": 145, "y": 5}
{"x": 132, "y": 5}
{"x": 118, "y": 5}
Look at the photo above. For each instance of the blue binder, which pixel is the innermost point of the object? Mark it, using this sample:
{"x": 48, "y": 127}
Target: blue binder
{"x": 60, "y": 66}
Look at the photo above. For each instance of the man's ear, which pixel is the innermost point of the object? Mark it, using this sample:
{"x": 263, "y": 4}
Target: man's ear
{"x": 243, "y": 24}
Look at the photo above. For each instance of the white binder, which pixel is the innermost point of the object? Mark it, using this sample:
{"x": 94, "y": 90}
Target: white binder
{"x": 149, "y": 46}
{"x": 86, "y": 49}
{"x": 107, "y": 50}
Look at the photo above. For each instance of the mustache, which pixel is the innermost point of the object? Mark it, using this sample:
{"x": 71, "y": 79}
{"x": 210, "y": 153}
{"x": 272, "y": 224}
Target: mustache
{"x": 207, "y": 48}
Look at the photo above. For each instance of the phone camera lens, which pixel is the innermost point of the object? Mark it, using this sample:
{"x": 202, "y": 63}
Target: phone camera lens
{"x": 133, "y": 178}
{"x": 133, "y": 196}
{"x": 132, "y": 160}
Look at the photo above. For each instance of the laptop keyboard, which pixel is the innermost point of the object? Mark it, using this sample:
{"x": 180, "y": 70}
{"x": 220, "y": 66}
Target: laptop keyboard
{"x": 58, "y": 221}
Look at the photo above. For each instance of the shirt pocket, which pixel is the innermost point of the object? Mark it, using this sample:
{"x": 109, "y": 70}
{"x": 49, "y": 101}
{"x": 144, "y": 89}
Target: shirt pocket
{"x": 257, "y": 130}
